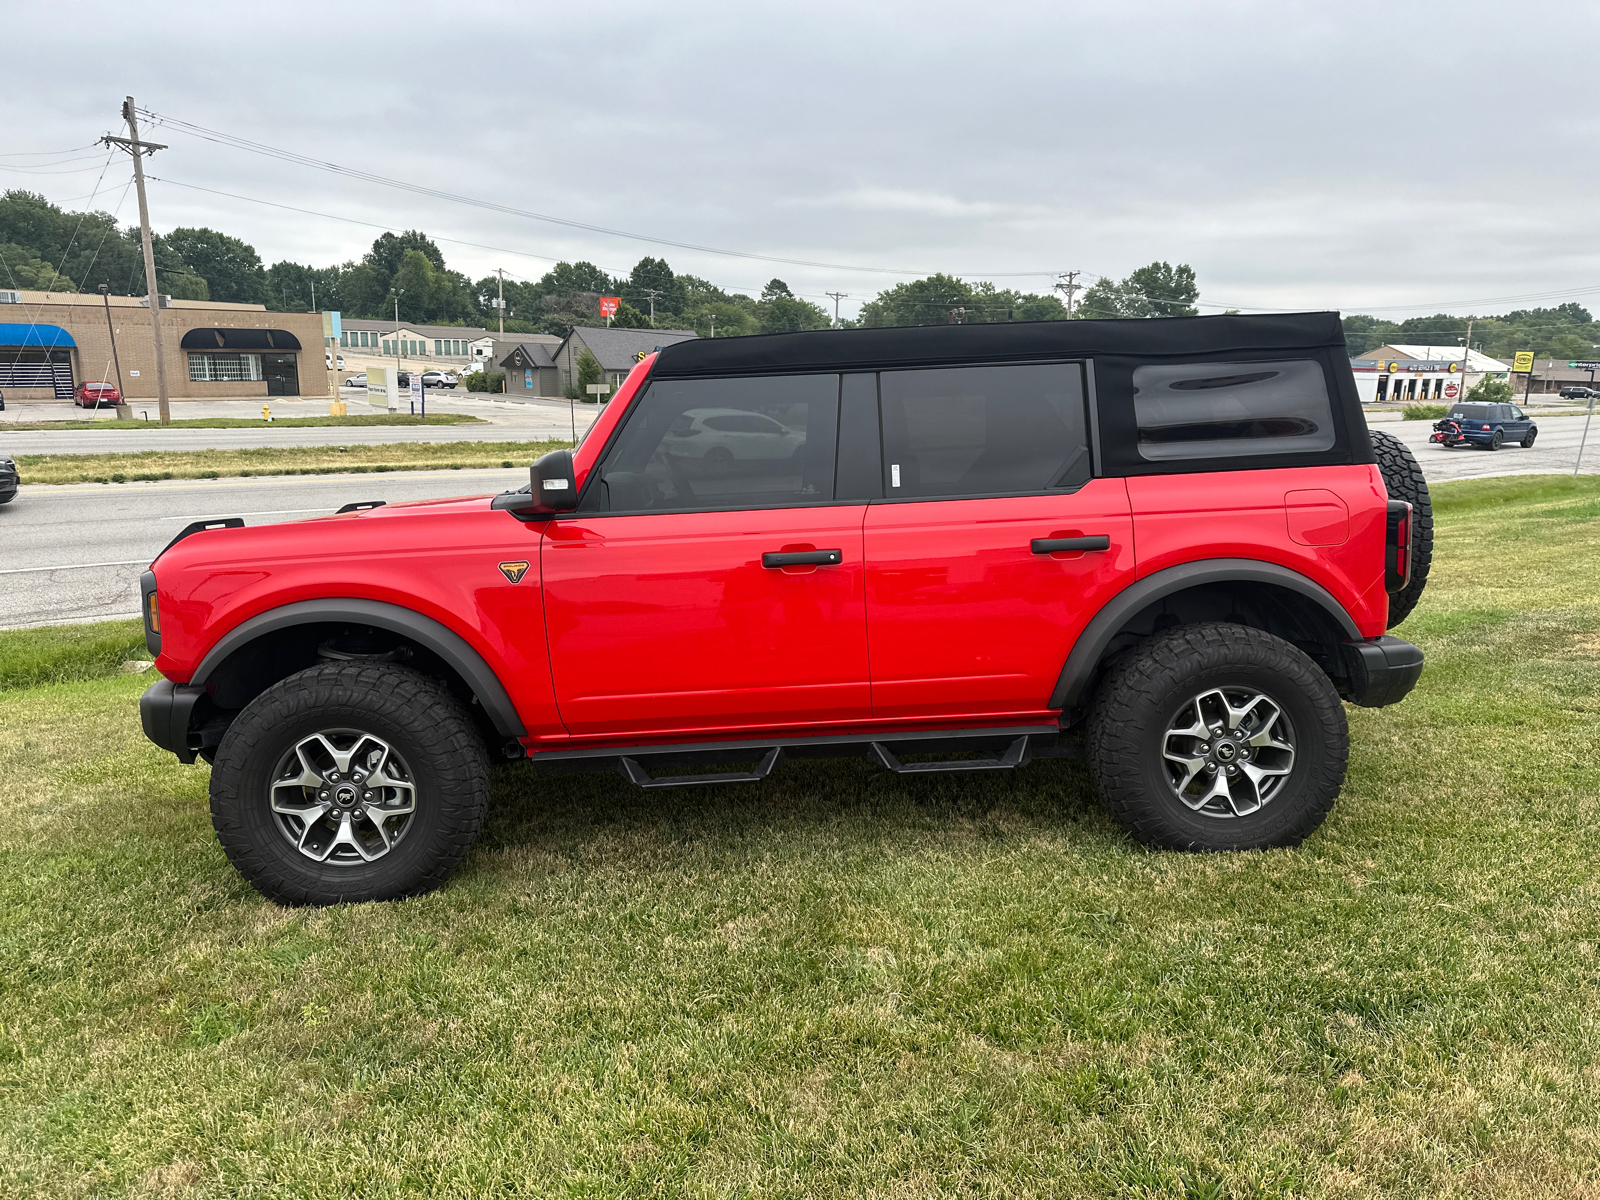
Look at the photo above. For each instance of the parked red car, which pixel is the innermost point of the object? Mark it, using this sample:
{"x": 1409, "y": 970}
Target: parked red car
{"x": 93, "y": 395}
{"x": 1171, "y": 547}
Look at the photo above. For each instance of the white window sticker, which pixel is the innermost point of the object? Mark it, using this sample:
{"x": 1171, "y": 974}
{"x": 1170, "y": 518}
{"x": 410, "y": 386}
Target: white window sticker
{"x": 894, "y": 474}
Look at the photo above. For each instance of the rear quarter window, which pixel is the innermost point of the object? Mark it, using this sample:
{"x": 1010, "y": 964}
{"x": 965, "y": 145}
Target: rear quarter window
{"x": 1197, "y": 411}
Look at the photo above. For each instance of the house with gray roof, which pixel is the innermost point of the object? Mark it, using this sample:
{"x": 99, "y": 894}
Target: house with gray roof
{"x": 531, "y": 369}
{"x": 618, "y": 351}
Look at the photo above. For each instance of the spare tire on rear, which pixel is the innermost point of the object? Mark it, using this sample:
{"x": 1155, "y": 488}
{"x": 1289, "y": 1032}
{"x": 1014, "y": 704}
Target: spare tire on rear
{"x": 1403, "y": 477}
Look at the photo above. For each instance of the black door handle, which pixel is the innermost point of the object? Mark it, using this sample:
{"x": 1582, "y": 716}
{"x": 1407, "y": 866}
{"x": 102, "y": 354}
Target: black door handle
{"x": 1097, "y": 541}
{"x": 802, "y": 558}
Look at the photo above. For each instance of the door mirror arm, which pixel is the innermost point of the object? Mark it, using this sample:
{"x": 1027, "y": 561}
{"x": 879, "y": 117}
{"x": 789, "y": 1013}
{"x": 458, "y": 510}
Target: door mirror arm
{"x": 552, "y": 489}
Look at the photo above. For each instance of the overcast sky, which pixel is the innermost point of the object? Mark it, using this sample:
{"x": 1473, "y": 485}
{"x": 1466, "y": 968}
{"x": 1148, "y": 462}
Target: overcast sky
{"x": 1400, "y": 157}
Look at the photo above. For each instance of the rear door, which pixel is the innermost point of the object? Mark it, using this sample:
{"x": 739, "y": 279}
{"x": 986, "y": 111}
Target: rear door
{"x": 993, "y": 545}
{"x": 695, "y": 592}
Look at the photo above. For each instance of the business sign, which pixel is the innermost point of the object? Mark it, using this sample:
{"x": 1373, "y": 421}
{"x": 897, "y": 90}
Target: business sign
{"x": 331, "y": 327}
{"x": 1451, "y": 390}
{"x": 1580, "y": 366}
{"x": 608, "y": 305}
{"x": 416, "y": 385}
{"x": 1522, "y": 361}
{"x": 381, "y": 388}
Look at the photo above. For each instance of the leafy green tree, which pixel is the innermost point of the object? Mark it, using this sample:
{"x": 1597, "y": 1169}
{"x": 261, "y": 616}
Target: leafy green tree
{"x": 1156, "y": 290}
{"x": 1364, "y": 334}
{"x": 588, "y": 372}
{"x": 653, "y": 274}
{"x": 87, "y": 247}
{"x": 629, "y": 317}
{"x": 231, "y": 268}
{"x": 927, "y": 301}
{"x": 575, "y": 277}
{"x": 182, "y": 284}
{"x": 1039, "y": 308}
{"x": 389, "y": 251}
{"x": 19, "y": 268}
{"x": 1490, "y": 390}
{"x": 780, "y": 311}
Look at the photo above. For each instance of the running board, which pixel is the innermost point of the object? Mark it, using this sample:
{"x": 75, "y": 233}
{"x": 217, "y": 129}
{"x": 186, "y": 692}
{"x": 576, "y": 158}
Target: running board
{"x": 1016, "y": 755}
{"x": 636, "y": 774}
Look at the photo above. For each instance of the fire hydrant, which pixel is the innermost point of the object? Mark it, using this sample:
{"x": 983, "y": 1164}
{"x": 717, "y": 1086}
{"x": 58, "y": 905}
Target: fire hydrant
{"x": 266, "y": 413}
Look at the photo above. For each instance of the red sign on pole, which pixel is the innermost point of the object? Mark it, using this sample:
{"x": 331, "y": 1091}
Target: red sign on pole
{"x": 1450, "y": 391}
{"x": 608, "y": 305}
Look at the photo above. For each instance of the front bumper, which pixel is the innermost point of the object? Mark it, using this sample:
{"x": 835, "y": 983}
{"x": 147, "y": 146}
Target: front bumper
{"x": 164, "y": 711}
{"x": 1381, "y": 670}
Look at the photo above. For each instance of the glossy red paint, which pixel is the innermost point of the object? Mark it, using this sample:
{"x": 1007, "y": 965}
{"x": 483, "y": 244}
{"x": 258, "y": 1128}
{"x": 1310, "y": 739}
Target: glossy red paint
{"x": 964, "y": 620}
{"x": 439, "y": 558}
{"x": 1246, "y": 514}
{"x": 670, "y": 624}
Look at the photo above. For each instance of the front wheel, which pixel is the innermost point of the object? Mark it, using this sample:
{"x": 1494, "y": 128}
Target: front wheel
{"x": 349, "y": 782}
{"x": 1527, "y": 442}
{"x": 1218, "y": 737}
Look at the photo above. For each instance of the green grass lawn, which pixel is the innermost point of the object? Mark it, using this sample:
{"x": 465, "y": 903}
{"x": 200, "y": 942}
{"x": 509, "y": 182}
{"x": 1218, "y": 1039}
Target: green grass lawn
{"x": 842, "y": 982}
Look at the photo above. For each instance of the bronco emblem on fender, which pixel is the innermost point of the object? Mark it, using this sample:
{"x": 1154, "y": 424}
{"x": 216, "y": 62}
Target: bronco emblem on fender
{"x": 514, "y": 571}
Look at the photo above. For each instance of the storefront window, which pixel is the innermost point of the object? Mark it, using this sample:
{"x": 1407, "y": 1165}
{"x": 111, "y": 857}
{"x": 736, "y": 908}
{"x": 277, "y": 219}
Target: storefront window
{"x": 224, "y": 368}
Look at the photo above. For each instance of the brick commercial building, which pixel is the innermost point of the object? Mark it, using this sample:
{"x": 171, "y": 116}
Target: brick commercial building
{"x": 51, "y": 342}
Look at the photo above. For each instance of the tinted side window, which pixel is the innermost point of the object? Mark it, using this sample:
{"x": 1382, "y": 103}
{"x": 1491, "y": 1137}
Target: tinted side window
{"x": 725, "y": 443}
{"x": 976, "y": 431}
{"x": 1228, "y": 410}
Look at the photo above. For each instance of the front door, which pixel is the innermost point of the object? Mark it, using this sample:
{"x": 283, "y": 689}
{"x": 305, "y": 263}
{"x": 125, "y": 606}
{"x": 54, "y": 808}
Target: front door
{"x": 282, "y": 373}
{"x": 975, "y": 597}
{"x": 704, "y": 583}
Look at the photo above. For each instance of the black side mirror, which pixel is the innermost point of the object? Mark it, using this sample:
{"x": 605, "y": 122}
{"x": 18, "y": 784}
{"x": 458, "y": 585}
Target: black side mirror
{"x": 552, "y": 488}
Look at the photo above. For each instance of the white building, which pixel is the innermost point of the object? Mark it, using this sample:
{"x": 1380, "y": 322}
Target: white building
{"x": 1422, "y": 374}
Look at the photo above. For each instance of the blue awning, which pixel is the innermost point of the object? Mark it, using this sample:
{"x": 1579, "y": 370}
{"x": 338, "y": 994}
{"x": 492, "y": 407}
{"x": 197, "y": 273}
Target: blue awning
{"x": 48, "y": 336}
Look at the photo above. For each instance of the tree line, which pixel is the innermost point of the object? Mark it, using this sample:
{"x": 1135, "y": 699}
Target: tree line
{"x": 1565, "y": 331}
{"x": 45, "y": 248}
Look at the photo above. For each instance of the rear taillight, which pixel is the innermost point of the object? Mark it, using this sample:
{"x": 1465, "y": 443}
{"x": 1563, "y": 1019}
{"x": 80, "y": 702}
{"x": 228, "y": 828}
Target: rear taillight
{"x": 1486, "y": 429}
{"x": 1397, "y": 547}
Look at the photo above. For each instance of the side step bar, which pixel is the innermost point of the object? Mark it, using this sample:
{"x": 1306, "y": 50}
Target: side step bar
{"x": 636, "y": 774}
{"x": 1016, "y": 755}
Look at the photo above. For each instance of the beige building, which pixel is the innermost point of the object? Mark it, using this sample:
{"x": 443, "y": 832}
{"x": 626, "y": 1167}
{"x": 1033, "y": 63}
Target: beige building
{"x": 50, "y": 343}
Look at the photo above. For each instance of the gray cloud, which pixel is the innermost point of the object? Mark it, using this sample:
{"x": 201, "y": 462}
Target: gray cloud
{"x": 1360, "y": 156}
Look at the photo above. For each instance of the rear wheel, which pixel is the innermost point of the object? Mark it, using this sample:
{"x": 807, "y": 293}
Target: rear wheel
{"x": 1497, "y": 439}
{"x": 1402, "y": 476}
{"x": 348, "y": 782}
{"x": 1218, "y": 737}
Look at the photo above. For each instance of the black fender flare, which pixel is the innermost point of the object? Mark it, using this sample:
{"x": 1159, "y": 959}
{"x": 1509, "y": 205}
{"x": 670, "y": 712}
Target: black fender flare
{"x": 1079, "y": 670}
{"x": 450, "y": 646}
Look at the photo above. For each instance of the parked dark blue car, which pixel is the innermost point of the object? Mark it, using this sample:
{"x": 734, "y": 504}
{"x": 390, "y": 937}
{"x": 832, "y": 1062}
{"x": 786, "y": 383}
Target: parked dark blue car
{"x": 1488, "y": 426}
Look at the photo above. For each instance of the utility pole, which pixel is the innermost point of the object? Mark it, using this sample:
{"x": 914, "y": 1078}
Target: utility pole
{"x": 500, "y": 300}
{"x": 713, "y": 324}
{"x": 123, "y": 412}
{"x": 836, "y": 297}
{"x": 1067, "y": 284}
{"x": 652, "y": 293}
{"x": 398, "y": 292}
{"x": 138, "y": 150}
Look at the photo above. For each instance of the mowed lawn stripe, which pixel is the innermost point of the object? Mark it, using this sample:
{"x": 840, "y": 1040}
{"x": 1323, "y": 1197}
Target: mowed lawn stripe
{"x": 843, "y": 982}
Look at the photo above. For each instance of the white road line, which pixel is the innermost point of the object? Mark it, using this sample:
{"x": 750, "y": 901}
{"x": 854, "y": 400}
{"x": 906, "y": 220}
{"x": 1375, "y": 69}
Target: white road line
{"x": 131, "y": 562}
{"x": 271, "y": 512}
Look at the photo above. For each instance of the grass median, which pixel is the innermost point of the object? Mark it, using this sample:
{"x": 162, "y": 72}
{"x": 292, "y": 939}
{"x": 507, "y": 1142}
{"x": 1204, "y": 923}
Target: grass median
{"x": 359, "y": 420}
{"x": 841, "y": 982}
{"x": 276, "y": 460}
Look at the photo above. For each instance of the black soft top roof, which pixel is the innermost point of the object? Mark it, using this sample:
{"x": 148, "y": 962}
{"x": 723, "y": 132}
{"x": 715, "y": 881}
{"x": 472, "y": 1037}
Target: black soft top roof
{"x": 868, "y": 349}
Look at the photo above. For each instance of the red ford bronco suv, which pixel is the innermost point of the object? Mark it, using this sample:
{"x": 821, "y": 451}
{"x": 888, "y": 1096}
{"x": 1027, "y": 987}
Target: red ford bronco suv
{"x": 1170, "y": 546}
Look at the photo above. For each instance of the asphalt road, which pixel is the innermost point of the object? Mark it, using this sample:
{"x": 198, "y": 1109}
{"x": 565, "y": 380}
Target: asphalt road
{"x": 507, "y": 422}
{"x": 74, "y": 552}
{"x": 1552, "y": 453}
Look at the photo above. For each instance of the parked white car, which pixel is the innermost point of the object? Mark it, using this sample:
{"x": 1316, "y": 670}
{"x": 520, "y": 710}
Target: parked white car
{"x": 327, "y": 357}
{"x": 728, "y": 435}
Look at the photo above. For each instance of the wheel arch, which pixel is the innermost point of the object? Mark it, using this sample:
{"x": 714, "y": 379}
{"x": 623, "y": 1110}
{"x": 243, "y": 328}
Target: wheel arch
{"x": 1249, "y": 592}
{"x": 272, "y": 645}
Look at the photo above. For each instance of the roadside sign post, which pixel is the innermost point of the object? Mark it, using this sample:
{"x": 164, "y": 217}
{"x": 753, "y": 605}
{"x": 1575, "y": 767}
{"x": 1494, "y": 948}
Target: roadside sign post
{"x": 418, "y": 393}
{"x": 1523, "y": 361}
{"x": 599, "y": 391}
{"x": 1584, "y": 439}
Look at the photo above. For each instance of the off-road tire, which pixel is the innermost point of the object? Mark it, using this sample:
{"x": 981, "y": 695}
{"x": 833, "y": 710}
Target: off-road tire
{"x": 1402, "y": 475}
{"x": 417, "y": 716}
{"x": 1149, "y": 685}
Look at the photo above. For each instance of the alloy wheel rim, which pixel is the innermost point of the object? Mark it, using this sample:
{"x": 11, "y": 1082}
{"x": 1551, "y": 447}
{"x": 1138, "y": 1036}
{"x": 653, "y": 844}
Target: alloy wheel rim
{"x": 342, "y": 797}
{"x": 1228, "y": 752}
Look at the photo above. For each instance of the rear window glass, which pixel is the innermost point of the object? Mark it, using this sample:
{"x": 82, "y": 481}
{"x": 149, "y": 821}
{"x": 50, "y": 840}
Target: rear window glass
{"x": 1473, "y": 412}
{"x": 983, "y": 431}
{"x": 1229, "y": 410}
